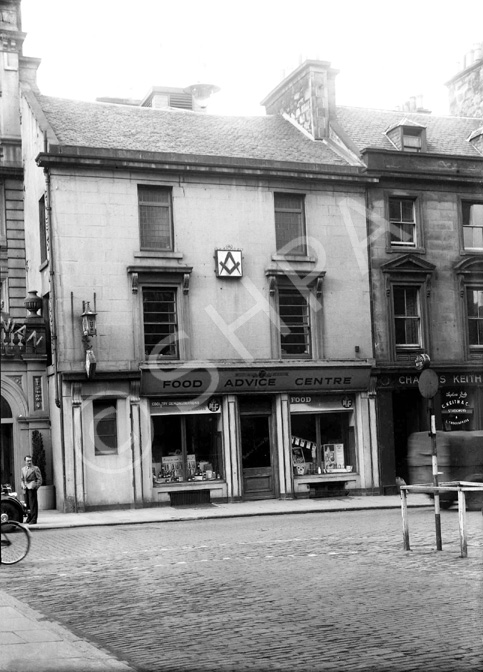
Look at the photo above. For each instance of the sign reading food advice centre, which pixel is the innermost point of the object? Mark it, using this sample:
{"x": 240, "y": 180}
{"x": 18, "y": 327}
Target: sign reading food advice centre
{"x": 180, "y": 381}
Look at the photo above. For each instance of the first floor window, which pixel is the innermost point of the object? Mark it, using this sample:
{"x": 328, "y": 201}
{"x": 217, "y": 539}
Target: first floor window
{"x": 402, "y": 222}
{"x": 186, "y": 448}
{"x": 472, "y": 225}
{"x": 294, "y": 323}
{"x": 105, "y": 426}
{"x": 160, "y": 316}
{"x": 407, "y": 316}
{"x": 474, "y": 303}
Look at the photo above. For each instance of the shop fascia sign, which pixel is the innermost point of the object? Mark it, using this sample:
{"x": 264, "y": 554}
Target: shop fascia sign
{"x": 175, "y": 382}
{"x": 411, "y": 380}
{"x": 163, "y": 407}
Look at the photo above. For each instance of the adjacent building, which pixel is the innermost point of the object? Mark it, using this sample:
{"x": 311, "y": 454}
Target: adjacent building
{"x": 24, "y": 398}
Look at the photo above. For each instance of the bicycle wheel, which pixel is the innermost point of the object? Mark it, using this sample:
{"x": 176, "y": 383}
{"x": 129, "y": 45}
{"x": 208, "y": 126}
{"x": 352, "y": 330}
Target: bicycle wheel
{"x": 15, "y": 542}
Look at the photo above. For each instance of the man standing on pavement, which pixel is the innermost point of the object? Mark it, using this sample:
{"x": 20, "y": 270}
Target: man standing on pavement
{"x": 31, "y": 482}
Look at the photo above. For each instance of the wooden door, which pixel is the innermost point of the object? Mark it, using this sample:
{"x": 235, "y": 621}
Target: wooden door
{"x": 257, "y": 463}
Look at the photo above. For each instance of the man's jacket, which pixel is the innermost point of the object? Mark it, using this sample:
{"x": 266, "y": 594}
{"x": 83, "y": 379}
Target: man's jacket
{"x": 31, "y": 478}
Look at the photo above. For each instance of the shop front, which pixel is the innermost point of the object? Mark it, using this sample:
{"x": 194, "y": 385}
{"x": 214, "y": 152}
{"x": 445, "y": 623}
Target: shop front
{"x": 260, "y": 433}
{"x": 401, "y": 411}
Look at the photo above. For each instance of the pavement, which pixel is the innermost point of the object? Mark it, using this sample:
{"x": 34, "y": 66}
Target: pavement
{"x": 30, "y": 642}
{"x": 267, "y": 507}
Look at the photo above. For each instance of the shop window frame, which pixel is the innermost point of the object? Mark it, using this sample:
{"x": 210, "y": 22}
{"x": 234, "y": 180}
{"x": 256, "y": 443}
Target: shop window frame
{"x": 417, "y": 245}
{"x": 218, "y": 468}
{"x": 414, "y": 272}
{"x": 350, "y": 452}
{"x": 462, "y": 205}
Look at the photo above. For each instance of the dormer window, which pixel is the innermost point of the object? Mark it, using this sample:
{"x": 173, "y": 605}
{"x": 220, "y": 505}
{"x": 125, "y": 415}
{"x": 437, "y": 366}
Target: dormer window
{"x": 412, "y": 139}
{"x": 408, "y": 136}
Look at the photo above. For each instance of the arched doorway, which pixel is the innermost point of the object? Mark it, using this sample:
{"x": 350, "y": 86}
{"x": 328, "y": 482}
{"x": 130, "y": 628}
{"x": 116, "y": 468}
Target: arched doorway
{"x": 7, "y": 466}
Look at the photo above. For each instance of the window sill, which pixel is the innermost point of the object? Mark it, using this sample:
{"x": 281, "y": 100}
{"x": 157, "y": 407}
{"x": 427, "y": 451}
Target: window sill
{"x": 43, "y": 265}
{"x": 471, "y": 250}
{"x": 158, "y": 254}
{"x": 188, "y": 485}
{"x": 405, "y": 249}
{"x": 294, "y": 257}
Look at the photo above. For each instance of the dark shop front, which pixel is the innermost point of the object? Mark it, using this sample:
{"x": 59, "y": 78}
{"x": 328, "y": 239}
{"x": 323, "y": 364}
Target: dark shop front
{"x": 401, "y": 410}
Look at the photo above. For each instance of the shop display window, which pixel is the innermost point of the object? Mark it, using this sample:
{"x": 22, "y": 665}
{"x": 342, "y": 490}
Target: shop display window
{"x": 186, "y": 448}
{"x": 322, "y": 443}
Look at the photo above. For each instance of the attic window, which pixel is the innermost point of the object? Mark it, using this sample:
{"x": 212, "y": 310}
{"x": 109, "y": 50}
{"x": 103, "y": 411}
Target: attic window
{"x": 413, "y": 139}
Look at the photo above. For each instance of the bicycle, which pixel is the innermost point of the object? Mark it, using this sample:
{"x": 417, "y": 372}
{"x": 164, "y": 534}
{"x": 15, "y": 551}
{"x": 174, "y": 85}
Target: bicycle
{"x": 15, "y": 542}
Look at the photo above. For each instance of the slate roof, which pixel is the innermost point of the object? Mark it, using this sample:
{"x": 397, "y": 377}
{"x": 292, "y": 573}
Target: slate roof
{"x": 444, "y": 135}
{"x": 108, "y": 126}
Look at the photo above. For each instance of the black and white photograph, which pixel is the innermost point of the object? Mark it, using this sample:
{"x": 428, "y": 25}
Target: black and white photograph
{"x": 241, "y": 336}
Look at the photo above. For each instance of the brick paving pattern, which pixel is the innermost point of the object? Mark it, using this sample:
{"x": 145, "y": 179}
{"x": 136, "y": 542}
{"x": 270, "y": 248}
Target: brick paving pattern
{"x": 307, "y": 592}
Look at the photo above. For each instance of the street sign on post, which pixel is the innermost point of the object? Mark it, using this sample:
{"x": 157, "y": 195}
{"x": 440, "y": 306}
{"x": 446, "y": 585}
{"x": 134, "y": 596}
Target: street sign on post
{"x": 428, "y": 384}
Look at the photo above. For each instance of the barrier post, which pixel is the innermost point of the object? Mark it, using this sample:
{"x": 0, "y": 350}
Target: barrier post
{"x": 434, "y": 452}
{"x": 404, "y": 511}
{"x": 462, "y": 522}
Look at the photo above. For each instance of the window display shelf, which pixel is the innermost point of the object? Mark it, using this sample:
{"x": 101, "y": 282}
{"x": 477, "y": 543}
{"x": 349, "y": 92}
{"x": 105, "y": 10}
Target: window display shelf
{"x": 190, "y": 485}
{"x": 334, "y": 476}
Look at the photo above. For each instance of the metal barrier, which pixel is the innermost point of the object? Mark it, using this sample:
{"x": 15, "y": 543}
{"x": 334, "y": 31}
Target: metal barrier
{"x": 453, "y": 486}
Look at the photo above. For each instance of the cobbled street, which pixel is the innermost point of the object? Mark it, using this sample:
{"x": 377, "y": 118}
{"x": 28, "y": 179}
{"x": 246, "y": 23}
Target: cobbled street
{"x": 333, "y": 591}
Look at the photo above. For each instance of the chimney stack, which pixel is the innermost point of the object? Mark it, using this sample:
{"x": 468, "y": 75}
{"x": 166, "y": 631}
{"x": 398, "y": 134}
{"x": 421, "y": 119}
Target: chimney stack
{"x": 307, "y": 95}
{"x": 466, "y": 87}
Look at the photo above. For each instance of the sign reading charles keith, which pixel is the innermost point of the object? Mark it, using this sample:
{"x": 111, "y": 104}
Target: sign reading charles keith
{"x": 159, "y": 382}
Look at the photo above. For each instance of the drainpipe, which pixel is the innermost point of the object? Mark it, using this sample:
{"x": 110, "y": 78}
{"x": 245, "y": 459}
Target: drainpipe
{"x": 373, "y": 439}
{"x": 53, "y": 318}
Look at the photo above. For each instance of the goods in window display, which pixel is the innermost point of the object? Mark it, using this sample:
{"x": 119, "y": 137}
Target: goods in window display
{"x": 334, "y": 458}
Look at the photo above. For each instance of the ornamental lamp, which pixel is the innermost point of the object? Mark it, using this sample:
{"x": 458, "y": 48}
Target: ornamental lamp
{"x": 422, "y": 362}
{"x": 88, "y": 320}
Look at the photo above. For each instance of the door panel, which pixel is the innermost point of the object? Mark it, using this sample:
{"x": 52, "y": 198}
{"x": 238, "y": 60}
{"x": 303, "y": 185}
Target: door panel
{"x": 258, "y": 480}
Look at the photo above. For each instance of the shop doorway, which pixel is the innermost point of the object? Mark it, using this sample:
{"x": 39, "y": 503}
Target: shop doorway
{"x": 409, "y": 415}
{"x": 258, "y": 476}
